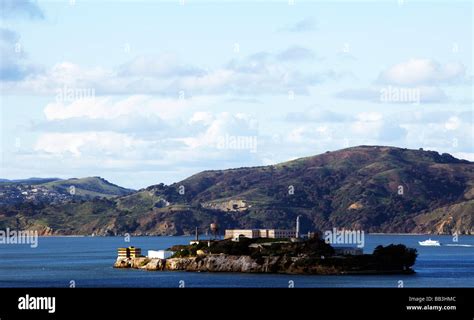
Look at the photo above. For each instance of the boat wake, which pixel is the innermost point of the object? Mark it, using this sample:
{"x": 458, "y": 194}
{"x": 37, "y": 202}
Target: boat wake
{"x": 459, "y": 245}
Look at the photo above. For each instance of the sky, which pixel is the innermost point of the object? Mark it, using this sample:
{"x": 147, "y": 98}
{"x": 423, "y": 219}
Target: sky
{"x": 147, "y": 92}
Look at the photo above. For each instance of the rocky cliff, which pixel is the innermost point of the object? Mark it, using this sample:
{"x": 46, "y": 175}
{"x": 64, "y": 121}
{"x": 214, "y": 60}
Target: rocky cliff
{"x": 247, "y": 264}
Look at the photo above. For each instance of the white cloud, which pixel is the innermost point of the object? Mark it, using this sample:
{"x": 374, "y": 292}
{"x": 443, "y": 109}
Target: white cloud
{"x": 107, "y": 134}
{"x": 110, "y": 108}
{"x": 99, "y": 144}
{"x": 367, "y": 123}
{"x": 65, "y": 74}
{"x": 414, "y": 81}
{"x": 464, "y": 155}
{"x": 162, "y": 65}
{"x": 188, "y": 142}
{"x": 201, "y": 117}
{"x": 422, "y": 72}
{"x": 447, "y": 131}
{"x": 453, "y": 123}
{"x": 257, "y": 74}
{"x": 453, "y": 135}
{"x": 218, "y": 81}
{"x": 360, "y": 128}
{"x": 221, "y": 125}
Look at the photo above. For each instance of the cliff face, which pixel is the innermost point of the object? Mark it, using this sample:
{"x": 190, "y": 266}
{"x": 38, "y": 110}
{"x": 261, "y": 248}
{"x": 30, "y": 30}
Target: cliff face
{"x": 225, "y": 263}
{"x": 458, "y": 218}
{"x": 244, "y": 264}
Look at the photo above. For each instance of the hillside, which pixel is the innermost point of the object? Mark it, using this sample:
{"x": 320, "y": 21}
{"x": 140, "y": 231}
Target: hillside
{"x": 376, "y": 189}
{"x": 31, "y": 181}
{"x": 88, "y": 187}
{"x": 45, "y": 191}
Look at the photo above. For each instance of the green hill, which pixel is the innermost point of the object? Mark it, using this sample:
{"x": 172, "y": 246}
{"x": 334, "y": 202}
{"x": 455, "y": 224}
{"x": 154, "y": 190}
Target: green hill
{"x": 29, "y": 181}
{"x": 372, "y": 188}
{"x": 89, "y": 187}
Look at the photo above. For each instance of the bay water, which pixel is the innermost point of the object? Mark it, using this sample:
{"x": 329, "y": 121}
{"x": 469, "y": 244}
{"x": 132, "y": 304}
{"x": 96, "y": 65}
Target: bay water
{"x": 88, "y": 262}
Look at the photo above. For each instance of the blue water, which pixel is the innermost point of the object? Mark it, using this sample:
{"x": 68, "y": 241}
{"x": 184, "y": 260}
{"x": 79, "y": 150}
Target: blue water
{"x": 88, "y": 262}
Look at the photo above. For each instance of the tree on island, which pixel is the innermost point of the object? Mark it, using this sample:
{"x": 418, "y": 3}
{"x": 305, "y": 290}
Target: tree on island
{"x": 395, "y": 256}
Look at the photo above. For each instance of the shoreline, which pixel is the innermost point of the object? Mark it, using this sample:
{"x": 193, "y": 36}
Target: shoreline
{"x": 222, "y": 263}
{"x": 64, "y": 236}
{"x": 404, "y": 234}
{"x": 203, "y": 236}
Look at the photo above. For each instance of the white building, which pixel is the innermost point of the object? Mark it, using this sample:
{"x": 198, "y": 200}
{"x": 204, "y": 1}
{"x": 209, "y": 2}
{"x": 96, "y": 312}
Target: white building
{"x": 160, "y": 254}
{"x": 259, "y": 233}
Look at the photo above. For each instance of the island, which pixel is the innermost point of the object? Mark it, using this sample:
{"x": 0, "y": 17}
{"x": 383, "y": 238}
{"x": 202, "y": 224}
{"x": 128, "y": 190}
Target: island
{"x": 271, "y": 255}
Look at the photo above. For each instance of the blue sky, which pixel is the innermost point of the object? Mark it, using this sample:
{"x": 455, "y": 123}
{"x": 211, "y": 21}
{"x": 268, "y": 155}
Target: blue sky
{"x": 150, "y": 92}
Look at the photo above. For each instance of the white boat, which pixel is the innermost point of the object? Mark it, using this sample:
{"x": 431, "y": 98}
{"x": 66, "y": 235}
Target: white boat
{"x": 429, "y": 243}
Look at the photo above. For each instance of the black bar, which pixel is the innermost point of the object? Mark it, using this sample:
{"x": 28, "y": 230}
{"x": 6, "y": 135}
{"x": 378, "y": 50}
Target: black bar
{"x": 381, "y": 303}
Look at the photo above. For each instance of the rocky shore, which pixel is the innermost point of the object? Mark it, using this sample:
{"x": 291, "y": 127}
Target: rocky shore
{"x": 243, "y": 263}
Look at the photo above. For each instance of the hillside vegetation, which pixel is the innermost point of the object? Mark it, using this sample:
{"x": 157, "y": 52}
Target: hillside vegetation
{"x": 373, "y": 188}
